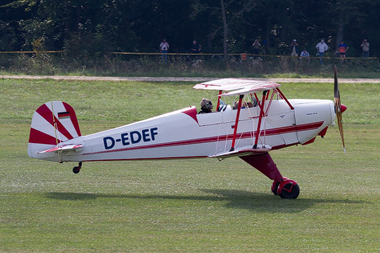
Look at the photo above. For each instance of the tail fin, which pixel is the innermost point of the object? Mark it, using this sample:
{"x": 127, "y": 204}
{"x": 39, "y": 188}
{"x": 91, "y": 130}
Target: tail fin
{"x": 52, "y": 123}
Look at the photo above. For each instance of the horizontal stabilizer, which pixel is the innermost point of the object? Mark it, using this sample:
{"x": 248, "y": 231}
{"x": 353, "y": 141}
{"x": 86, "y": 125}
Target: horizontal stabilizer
{"x": 67, "y": 148}
{"x": 243, "y": 152}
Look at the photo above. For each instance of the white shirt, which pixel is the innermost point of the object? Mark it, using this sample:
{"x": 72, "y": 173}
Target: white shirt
{"x": 164, "y": 46}
{"x": 322, "y": 47}
{"x": 304, "y": 54}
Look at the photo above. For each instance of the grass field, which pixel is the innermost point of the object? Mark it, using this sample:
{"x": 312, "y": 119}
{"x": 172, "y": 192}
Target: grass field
{"x": 185, "y": 205}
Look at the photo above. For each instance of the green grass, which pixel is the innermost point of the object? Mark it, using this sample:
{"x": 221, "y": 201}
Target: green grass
{"x": 197, "y": 205}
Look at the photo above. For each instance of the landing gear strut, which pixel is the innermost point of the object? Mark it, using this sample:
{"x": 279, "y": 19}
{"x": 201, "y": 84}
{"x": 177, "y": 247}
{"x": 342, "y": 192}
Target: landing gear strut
{"x": 76, "y": 169}
{"x": 282, "y": 186}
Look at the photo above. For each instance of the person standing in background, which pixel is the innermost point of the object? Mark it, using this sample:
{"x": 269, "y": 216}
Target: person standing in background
{"x": 256, "y": 48}
{"x": 342, "y": 49}
{"x": 164, "y": 47}
{"x": 365, "y": 48}
{"x": 294, "y": 48}
{"x": 305, "y": 55}
{"x": 322, "y": 48}
{"x": 195, "y": 48}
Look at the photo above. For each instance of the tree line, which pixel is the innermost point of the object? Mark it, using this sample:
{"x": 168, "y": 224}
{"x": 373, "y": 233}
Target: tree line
{"x": 97, "y": 27}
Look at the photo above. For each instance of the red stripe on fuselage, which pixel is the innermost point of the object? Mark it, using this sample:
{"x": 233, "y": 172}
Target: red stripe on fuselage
{"x": 291, "y": 129}
{"x": 268, "y": 132}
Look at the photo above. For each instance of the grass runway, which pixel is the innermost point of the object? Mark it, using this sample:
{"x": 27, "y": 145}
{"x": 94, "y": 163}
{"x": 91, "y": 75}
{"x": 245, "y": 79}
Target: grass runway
{"x": 199, "y": 205}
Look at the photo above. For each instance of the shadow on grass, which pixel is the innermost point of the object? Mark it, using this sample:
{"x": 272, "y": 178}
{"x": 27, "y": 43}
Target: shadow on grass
{"x": 268, "y": 203}
{"x": 256, "y": 202}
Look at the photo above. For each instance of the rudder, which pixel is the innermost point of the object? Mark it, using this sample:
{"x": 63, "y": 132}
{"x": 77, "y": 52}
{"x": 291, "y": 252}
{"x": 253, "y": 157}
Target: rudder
{"x": 52, "y": 123}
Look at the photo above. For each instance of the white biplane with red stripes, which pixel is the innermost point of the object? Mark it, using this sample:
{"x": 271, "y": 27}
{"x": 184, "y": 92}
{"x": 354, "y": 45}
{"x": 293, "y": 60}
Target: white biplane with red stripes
{"x": 268, "y": 121}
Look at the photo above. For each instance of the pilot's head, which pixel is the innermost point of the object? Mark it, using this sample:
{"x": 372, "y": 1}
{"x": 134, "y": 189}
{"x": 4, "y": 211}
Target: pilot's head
{"x": 206, "y": 104}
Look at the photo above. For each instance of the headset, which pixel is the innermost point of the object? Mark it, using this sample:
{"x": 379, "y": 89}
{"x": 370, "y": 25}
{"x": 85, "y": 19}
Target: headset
{"x": 208, "y": 104}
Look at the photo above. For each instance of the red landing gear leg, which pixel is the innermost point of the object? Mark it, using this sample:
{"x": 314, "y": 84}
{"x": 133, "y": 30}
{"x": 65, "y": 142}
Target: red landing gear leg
{"x": 76, "y": 169}
{"x": 282, "y": 186}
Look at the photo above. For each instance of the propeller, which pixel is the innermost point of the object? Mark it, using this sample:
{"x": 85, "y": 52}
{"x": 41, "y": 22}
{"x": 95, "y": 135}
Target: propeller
{"x": 339, "y": 108}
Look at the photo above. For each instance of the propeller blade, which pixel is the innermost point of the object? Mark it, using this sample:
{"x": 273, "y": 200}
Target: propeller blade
{"x": 336, "y": 86}
{"x": 338, "y": 107}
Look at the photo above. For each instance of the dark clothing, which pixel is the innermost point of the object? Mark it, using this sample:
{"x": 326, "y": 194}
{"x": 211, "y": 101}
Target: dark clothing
{"x": 296, "y": 49}
{"x": 204, "y": 110}
{"x": 195, "y": 48}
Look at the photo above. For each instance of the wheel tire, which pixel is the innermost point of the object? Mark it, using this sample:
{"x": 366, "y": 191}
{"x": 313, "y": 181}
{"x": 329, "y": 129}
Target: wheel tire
{"x": 290, "y": 191}
{"x": 275, "y": 187}
{"x": 76, "y": 169}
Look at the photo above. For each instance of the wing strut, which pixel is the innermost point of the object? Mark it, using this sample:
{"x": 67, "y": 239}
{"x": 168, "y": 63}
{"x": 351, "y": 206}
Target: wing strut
{"x": 260, "y": 119}
{"x": 220, "y": 93}
{"x": 236, "y": 123}
{"x": 283, "y": 97}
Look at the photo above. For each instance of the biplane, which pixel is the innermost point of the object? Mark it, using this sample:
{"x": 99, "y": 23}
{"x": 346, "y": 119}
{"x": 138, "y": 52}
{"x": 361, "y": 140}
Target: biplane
{"x": 262, "y": 120}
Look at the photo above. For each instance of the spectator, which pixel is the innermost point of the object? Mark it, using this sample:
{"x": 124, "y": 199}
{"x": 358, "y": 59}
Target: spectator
{"x": 164, "y": 47}
{"x": 195, "y": 48}
{"x": 365, "y": 48}
{"x": 304, "y": 54}
{"x": 294, "y": 48}
{"x": 256, "y": 48}
{"x": 342, "y": 49}
{"x": 322, "y": 48}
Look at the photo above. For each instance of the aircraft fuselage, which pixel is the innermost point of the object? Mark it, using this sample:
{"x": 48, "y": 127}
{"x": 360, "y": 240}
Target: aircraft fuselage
{"x": 186, "y": 134}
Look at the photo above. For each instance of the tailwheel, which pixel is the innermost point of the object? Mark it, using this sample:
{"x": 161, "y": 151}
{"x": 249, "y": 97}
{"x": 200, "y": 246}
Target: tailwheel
{"x": 76, "y": 169}
{"x": 288, "y": 189}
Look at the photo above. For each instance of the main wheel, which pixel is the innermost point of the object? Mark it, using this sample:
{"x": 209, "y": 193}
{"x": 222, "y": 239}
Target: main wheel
{"x": 275, "y": 187}
{"x": 76, "y": 169}
{"x": 289, "y": 189}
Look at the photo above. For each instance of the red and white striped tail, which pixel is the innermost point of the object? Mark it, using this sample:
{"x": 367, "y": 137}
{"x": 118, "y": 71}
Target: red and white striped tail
{"x": 52, "y": 123}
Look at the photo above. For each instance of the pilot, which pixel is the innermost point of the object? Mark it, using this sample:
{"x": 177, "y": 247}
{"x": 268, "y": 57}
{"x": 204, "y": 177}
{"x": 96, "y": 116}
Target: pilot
{"x": 243, "y": 105}
{"x": 206, "y": 106}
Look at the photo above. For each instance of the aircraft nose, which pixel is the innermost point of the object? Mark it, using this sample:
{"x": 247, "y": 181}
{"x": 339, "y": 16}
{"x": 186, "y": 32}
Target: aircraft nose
{"x": 343, "y": 108}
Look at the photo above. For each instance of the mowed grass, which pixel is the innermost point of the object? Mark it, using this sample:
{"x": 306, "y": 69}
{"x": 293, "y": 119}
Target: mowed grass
{"x": 200, "y": 205}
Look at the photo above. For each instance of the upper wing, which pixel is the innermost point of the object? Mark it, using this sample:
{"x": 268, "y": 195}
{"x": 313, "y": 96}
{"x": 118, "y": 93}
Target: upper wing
{"x": 250, "y": 89}
{"x": 236, "y": 85}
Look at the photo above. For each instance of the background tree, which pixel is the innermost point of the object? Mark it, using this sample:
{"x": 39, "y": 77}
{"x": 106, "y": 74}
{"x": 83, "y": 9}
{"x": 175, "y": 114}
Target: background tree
{"x": 86, "y": 28}
{"x": 225, "y": 13}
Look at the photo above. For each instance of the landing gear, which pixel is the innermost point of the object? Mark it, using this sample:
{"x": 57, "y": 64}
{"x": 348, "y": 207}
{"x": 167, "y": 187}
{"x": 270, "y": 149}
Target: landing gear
{"x": 76, "y": 169}
{"x": 286, "y": 189}
{"x": 275, "y": 187}
{"x": 282, "y": 186}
